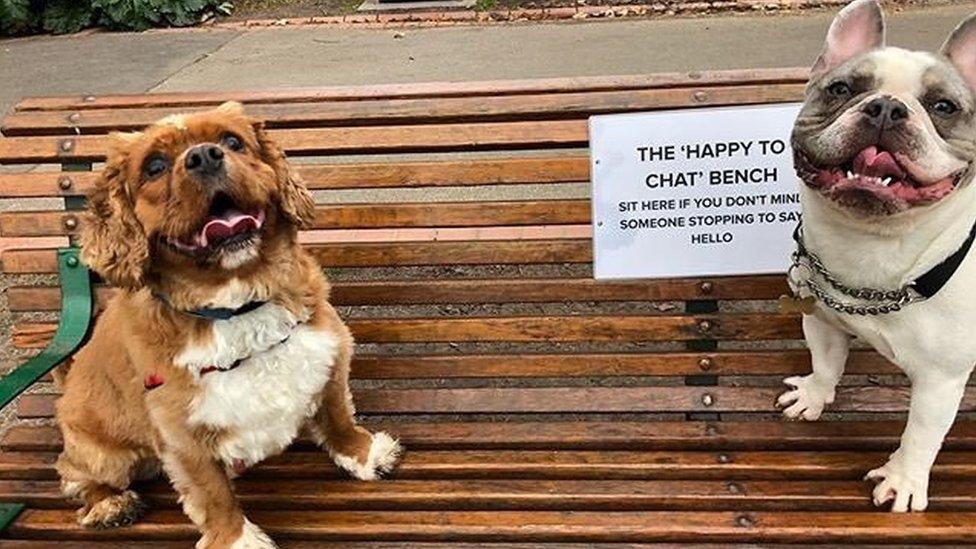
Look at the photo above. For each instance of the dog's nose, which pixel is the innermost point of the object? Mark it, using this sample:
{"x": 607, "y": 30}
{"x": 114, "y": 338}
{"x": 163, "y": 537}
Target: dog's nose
{"x": 885, "y": 112}
{"x": 205, "y": 159}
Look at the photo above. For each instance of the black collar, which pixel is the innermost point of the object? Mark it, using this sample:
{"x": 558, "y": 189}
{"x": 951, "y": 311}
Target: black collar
{"x": 213, "y": 313}
{"x": 931, "y": 281}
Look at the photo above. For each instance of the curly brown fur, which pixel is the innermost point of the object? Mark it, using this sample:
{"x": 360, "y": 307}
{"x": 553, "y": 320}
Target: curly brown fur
{"x": 203, "y": 238}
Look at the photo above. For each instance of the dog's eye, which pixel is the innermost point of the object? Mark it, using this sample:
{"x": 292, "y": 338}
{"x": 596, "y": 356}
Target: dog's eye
{"x": 232, "y": 142}
{"x": 945, "y": 107}
{"x": 155, "y": 166}
{"x": 839, "y": 89}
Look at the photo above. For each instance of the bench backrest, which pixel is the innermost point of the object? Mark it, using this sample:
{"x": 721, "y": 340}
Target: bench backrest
{"x": 468, "y": 300}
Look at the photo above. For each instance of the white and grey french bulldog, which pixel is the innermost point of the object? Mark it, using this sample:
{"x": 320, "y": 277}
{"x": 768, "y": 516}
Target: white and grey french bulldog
{"x": 885, "y": 145}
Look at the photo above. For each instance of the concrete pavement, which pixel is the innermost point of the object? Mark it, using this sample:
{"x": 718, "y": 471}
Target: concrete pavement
{"x": 98, "y": 63}
{"x": 317, "y": 56}
{"x": 260, "y": 58}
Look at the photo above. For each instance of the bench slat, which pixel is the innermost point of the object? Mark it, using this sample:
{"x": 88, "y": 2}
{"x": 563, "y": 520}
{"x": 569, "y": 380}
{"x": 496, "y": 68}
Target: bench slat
{"x": 765, "y": 362}
{"x": 618, "y": 400}
{"x": 501, "y": 526}
{"x": 723, "y": 436}
{"x": 562, "y": 465}
{"x": 605, "y": 364}
{"x": 41, "y": 184}
{"x": 330, "y": 141}
{"x": 578, "y": 328}
{"x": 484, "y": 252}
{"x": 498, "y": 465}
{"x": 416, "y": 111}
{"x": 474, "y": 495}
{"x": 743, "y": 363}
{"x": 517, "y": 290}
{"x": 861, "y": 399}
{"x": 546, "y": 169}
{"x": 745, "y": 326}
{"x": 424, "y": 89}
{"x": 357, "y": 216}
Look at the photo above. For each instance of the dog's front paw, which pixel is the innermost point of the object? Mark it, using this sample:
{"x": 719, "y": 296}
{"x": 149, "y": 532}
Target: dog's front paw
{"x": 898, "y": 481}
{"x": 118, "y": 510}
{"x": 807, "y": 398}
{"x": 384, "y": 452}
{"x": 251, "y": 537}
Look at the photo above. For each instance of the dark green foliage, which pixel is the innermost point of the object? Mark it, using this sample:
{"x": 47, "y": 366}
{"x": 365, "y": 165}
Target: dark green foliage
{"x": 16, "y": 16}
{"x": 128, "y": 14}
{"x": 64, "y": 16}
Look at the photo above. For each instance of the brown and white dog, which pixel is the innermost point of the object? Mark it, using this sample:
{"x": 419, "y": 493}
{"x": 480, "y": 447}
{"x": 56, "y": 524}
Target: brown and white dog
{"x": 221, "y": 345}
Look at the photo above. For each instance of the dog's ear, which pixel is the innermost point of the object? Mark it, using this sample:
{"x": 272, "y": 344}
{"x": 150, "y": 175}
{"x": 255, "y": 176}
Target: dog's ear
{"x": 960, "y": 48}
{"x": 857, "y": 29}
{"x": 294, "y": 200}
{"x": 113, "y": 242}
{"x": 232, "y": 108}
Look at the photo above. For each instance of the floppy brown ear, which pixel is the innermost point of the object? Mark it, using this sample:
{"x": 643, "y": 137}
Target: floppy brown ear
{"x": 113, "y": 243}
{"x": 294, "y": 200}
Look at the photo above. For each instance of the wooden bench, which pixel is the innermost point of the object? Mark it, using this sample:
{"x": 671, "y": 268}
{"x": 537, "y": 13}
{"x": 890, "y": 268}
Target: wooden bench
{"x": 537, "y": 405}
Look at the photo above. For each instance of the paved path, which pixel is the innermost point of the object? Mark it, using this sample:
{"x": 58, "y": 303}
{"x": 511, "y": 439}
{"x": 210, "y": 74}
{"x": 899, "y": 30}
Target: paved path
{"x": 310, "y": 56}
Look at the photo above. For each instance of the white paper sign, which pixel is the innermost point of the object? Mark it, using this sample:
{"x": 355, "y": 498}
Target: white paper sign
{"x": 693, "y": 192}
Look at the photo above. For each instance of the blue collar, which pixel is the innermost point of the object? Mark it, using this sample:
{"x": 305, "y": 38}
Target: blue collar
{"x": 213, "y": 313}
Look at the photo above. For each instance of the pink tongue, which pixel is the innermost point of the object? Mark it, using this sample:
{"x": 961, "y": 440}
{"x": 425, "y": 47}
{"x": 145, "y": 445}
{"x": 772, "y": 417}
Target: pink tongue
{"x": 878, "y": 164}
{"x": 233, "y": 222}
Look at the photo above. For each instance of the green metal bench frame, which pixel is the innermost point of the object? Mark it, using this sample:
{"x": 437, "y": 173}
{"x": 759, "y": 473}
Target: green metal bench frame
{"x": 76, "y": 319}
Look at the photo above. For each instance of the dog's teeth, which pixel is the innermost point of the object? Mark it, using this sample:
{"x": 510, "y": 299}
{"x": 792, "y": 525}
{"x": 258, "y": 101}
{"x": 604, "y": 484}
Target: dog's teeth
{"x": 886, "y": 181}
{"x": 850, "y": 174}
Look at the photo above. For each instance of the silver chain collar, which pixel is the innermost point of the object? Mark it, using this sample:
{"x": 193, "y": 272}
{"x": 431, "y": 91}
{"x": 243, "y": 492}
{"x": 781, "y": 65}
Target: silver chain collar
{"x": 887, "y": 301}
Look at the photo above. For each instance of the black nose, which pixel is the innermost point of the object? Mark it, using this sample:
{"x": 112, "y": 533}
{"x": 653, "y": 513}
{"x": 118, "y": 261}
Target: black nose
{"x": 205, "y": 159}
{"x": 885, "y": 112}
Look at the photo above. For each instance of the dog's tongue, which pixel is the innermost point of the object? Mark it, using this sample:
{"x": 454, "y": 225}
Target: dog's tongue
{"x": 877, "y": 163}
{"x": 230, "y": 223}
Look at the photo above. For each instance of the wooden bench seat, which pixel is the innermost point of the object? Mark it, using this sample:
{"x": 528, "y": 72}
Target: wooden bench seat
{"x": 539, "y": 408}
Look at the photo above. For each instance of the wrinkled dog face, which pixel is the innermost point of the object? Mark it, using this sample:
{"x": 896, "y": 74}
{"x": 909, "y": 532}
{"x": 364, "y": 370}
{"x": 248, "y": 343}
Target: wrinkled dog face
{"x": 201, "y": 191}
{"x": 885, "y": 130}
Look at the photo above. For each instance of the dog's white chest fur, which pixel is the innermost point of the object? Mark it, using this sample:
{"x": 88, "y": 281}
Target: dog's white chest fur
{"x": 262, "y": 403}
{"x": 931, "y": 334}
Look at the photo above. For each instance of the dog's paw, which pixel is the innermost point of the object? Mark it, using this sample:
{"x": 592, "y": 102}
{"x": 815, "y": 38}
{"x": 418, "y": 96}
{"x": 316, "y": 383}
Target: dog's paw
{"x": 384, "y": 452}
{"x": 807, "y": 398}
{"x": 119, "y": 510}
{"x": 251, "y": 537}
{"x": 907, "y": 488}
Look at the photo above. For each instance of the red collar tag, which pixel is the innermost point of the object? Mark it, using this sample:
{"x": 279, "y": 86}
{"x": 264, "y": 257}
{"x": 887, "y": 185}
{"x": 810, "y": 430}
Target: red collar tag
{"x": 152, "y": 381}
